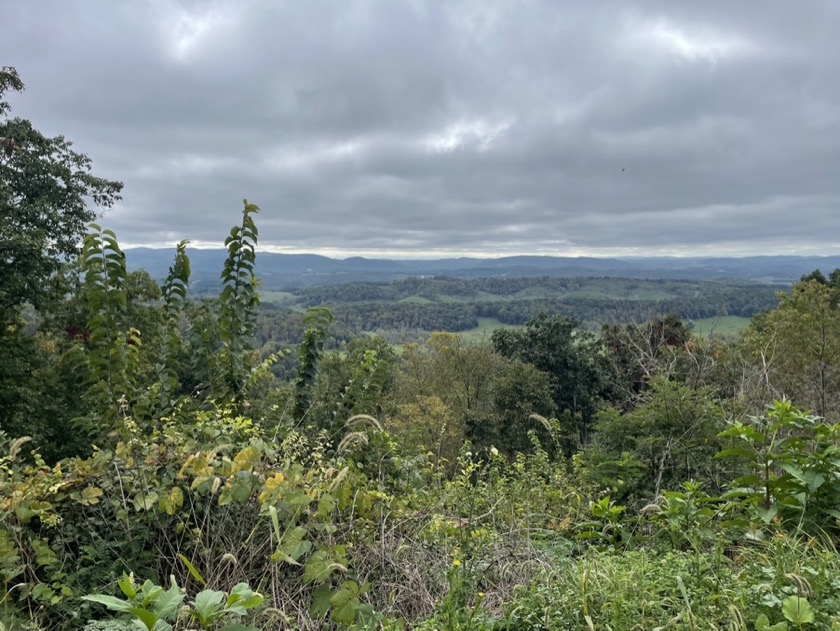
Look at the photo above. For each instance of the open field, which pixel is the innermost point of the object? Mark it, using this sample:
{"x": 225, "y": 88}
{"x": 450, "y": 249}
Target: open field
{"x": 417, "y": 300}
{"x": 720, "y": 326}
{"x": 485, "y": 329}
{"x": 282, "y": 298}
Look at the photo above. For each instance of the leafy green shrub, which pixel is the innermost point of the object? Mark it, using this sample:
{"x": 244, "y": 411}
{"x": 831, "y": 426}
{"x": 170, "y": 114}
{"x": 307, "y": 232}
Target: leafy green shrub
{"x": 249, "y": 513}
{"x": 686, "y": 519}
{"x": 668, "y": 438}
{"x": 153, "y": 608}
{"x": 792, "y": 463}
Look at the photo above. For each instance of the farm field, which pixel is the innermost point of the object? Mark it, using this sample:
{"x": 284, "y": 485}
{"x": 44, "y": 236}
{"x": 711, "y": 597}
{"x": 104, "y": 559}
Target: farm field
{"x": 485, "y": 329}
{"x": 720, "y": 326}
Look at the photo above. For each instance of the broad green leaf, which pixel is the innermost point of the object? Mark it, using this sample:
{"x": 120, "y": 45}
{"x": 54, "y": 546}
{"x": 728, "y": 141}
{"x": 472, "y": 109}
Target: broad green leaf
{"x": 237, "y": 490}
{"x": 44, "y": 555}
{"x": 24, "y": 514}
{"x": 797, "y": 610}
{"x": 168, "y": 602}
{"x": 298, "y": 499}
{"x": 767, "y": 514}
{"x": 127, "y": 587}
{"x": 738, "y": 452}
{"x": 207, "y": 603}
{"x": 111, "y": 602}
{"x": 145, "y": 501}
{"x": 148, "y": 618}
{"x": 814, "y": 480}
{"x": 793, "y": 470}
{"x": 345, "y": 612}
{"x": 762, "y": 623}
{"x": 243, "y": 596}
{"x": 326, "y": 505}
{"x": 171, "y": 502}
{"x": 90, "y": 495}
{"x": 321, "y": 601}
{"x": 245, "y": 459}
{"x": 148, "y": 592}
{"x": 293, "y": 545}
{"x": 279, "y": 555}
{"x": 317, "y": 568}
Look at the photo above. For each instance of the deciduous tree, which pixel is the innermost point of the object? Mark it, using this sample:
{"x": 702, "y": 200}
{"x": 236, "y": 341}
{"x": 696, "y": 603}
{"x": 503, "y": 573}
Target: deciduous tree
{"x": 579, "y": 371}
{"x": 47, "y": 197}
{"x": 797, "y": 347}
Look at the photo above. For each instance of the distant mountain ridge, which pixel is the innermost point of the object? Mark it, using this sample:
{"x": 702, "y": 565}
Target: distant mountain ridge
{"x": 291, "y": 271}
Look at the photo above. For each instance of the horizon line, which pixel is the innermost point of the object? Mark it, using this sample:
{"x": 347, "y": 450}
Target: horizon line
{"x": 595, "y": 253}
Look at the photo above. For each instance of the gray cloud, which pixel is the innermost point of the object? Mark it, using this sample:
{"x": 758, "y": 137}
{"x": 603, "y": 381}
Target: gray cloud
{"x": 423, "y": 127}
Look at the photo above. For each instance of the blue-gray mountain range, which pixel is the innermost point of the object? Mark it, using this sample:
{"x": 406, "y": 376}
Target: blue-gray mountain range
{"x": 292, "y": 271}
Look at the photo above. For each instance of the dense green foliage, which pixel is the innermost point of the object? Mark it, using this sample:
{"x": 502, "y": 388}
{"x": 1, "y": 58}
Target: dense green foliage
{"x": 579, "y": 372}
{"x": 44, "y": 189}
{"x": 589, "y": 298}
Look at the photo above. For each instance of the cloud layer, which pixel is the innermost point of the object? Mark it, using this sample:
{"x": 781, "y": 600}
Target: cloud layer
{"x": 438, "y": 128}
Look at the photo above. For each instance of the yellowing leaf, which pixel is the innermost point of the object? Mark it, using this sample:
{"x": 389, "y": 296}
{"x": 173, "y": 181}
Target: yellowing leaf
{"x": 172, "y": 501}
{"x": 185, "y": 467}
{"x": 201, "y": 465}
{"x": 271, "y": 485}
{"x": 90, "y": 496}
{"x": 245, "y": 459}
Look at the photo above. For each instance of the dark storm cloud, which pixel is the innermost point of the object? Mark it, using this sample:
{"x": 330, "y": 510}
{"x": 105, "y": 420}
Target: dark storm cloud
{"x": 458, "y": 127}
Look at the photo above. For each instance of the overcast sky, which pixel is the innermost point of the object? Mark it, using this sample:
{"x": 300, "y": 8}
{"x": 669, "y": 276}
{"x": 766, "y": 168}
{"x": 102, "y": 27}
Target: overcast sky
{"x": 476, "y": 127}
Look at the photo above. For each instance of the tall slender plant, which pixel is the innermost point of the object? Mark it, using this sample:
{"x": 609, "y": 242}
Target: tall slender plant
{"x": 158, "y": 400}
{"x": 317, "y": 321}
{"x": 239, "y": 300}
{"x": 112, "y": 347}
